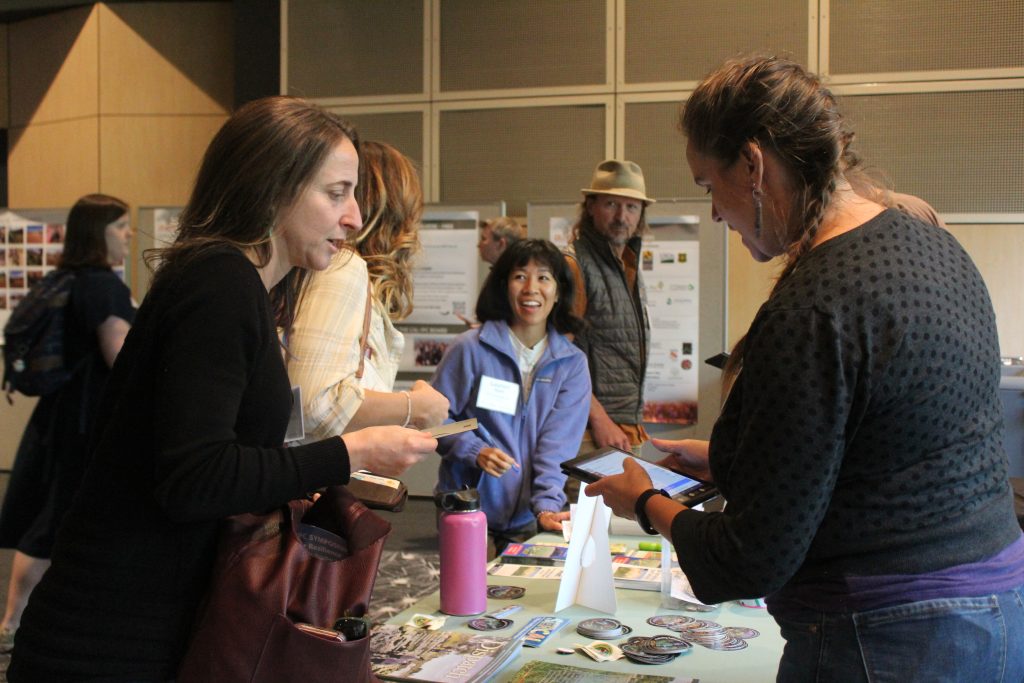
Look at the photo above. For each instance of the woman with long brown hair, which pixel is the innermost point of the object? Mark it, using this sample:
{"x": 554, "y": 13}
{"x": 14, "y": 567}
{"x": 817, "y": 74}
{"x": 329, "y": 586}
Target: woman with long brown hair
{"x": 190, "y": 428}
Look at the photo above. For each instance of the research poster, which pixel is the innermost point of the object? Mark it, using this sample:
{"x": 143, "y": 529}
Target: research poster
{"x": 446, "y": 288}
{"x": 20, "y": 238}
{"x": 670, "y": 263}
{"x": 559, "y": 228}
{"x": 165, "y": 227}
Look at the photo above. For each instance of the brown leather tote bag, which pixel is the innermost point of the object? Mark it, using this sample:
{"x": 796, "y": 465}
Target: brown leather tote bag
{"x": 271, "y": 573}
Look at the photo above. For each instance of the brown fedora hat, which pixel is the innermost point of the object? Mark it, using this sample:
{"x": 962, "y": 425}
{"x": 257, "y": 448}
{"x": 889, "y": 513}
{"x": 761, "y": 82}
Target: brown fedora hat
{"x": 622, "y": 178}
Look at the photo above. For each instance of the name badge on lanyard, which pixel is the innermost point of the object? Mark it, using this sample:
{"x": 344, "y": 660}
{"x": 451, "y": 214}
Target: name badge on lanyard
{"x": 497, "y": 394}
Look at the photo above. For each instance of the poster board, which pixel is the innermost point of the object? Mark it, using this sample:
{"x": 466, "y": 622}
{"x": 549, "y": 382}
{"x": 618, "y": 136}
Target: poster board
{"x": 31, "y": 244}
{"x": 687, "y": 306}
{"x": 156, "y": 226}
{"x": 447, "y": 274}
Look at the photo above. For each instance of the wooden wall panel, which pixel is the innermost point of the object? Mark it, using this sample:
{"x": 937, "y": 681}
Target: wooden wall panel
{"x": 53, "y": 164}
{"x": 53, "y": 67}
{"x": 998, "y": 251}
{"x": 166, "y": 58}
{"x": 153, "y": 159}
{"x": 749, "y": 285}
{"x": 4, "y": 80}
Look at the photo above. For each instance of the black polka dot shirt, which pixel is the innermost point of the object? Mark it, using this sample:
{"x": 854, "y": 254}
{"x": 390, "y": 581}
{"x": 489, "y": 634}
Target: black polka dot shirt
{"x": 864, "y": 433}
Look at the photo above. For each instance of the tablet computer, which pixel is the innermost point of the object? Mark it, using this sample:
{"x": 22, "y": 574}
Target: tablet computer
{"x": 606, "y": 461}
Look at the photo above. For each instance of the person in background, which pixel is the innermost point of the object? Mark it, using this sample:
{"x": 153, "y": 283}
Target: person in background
{"x": 602, "y": 255}
{"x": 52, "y": 455}
{"x": 912, "y": 206}
{"x": 497, "y": 235}
{"x": 325, "y": 342}
{"x": 528, "y": 387}
{"x": 860, "y": 449}
{"x": 189, "y": 430}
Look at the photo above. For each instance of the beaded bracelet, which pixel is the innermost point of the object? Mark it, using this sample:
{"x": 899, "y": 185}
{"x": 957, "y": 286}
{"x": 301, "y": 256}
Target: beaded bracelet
{"x": 408, "y": 409}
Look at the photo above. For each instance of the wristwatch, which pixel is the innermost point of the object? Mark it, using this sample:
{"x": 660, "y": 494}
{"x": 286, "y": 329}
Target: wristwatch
{"x": 641, "y": 513}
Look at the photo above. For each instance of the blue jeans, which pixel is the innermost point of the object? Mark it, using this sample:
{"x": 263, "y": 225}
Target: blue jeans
{"x": 976, "y": 640}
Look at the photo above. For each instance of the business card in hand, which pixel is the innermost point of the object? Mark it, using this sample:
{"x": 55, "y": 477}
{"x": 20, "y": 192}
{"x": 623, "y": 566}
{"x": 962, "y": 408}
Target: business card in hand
{"x": 452, "y": 428}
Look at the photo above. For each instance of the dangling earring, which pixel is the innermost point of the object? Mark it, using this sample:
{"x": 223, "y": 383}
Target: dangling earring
{"x": 757, "y": 193}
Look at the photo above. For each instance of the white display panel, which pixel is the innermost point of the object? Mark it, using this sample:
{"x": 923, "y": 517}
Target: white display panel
{"x": 447, "y": 275}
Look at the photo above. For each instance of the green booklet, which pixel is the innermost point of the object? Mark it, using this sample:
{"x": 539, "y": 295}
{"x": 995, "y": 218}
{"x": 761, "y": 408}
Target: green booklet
{"x": 547, "y": 672}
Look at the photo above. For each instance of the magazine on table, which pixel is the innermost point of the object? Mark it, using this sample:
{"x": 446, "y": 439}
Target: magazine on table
{"x": 549, "y": 672}
{"x": 411, "y": 654}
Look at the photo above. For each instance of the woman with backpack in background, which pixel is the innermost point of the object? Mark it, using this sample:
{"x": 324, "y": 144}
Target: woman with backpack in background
{"x": 51, "y": 457}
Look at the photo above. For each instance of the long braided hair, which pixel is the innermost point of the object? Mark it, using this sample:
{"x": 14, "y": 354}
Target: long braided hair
{"x": 783, "y": 107}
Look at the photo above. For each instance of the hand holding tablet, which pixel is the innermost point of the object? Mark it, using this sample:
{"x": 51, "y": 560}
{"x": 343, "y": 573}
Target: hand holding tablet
{"x": 608, "y": 461}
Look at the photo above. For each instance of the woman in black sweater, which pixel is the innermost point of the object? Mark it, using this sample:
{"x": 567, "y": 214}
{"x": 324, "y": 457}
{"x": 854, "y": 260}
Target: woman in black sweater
{"x": 860, "y": 448}
{"x": 191, "y": 424}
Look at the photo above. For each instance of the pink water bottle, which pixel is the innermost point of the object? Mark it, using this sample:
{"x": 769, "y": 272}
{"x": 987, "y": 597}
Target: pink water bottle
{"x": 463, "y": 531}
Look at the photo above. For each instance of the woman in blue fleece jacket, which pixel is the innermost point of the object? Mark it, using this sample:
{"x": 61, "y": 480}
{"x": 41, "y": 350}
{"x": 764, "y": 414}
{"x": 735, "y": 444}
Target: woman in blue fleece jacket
{"x": 529, "y": 388}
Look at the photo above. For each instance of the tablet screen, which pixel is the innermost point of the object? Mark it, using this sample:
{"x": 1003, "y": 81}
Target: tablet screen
{"x": 661, "y": 478}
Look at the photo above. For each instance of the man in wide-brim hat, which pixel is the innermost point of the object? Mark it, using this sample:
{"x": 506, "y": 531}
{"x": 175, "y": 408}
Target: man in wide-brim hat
{"x": 603, "y": 254}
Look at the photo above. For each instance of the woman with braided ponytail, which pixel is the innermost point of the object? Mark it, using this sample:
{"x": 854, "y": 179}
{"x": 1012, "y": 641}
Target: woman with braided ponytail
{"x": 860, "y": 447}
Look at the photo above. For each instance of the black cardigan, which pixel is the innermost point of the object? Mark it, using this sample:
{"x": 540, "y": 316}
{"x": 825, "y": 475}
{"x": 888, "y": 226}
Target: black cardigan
{"x": 864, "y": 433}
{"x": 189, "y": 431}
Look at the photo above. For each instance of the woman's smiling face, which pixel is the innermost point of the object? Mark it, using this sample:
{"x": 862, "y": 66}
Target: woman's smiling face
{"x": 532, "y": 293}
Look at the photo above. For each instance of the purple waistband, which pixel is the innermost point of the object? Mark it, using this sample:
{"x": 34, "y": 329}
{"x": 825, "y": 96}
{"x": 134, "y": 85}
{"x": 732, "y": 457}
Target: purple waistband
{"x": 1001, "y": 572}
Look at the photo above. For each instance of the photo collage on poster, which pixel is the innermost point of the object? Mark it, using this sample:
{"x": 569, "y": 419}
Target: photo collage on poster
{"x": 28, "y": 251}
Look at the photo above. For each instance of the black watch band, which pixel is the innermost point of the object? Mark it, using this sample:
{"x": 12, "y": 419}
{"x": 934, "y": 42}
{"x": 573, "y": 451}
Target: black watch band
{"x": 641, "y": 513}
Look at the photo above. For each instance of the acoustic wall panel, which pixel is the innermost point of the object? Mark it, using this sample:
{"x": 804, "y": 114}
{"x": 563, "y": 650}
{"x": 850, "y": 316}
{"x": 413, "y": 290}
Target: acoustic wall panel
{"x": 653, "y": 140}
{"x": 522, "y": 44}
{"x": 960, "y": 151}
{"x": 519, "y": 155}
{"x": 881, "y": 36}
{"x": 667, "y": 40}
{"x": 355, "y": 48}
{"x": 401, "y": 130}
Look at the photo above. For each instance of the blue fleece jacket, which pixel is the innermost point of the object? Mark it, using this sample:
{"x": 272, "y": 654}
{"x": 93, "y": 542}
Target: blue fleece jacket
{"x": 544, "y": 432}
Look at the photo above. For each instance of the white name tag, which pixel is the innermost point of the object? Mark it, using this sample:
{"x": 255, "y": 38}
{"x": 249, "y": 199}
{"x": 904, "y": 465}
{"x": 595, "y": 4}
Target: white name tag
{"x": 296, "y": 430}
{"x": 497, "y": 394}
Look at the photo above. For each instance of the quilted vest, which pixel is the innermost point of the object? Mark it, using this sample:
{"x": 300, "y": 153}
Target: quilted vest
{"x": 616, "y": 338}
